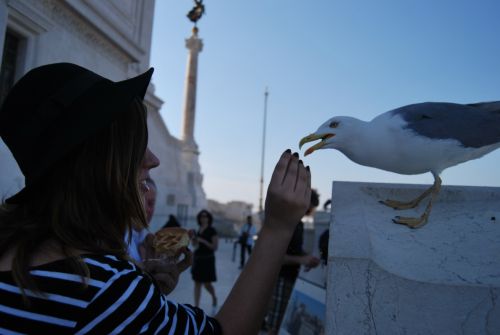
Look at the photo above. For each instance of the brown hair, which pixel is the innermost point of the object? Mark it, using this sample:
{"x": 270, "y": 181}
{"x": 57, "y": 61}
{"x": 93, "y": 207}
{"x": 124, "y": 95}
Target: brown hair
{"x": 88, "y": 200}
{"x": 207, "y": 213}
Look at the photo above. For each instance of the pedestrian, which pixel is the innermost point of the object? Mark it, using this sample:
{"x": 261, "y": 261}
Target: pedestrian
{"x": 294, "y": 258}
{"x": 172, "y": 222}
{"x": 246, "y": 239}
{"x": 324, "y": 238}
{"x": 323, "y": 245}
{"x": 203, "y": 271}
{"x": 81, "y": 142}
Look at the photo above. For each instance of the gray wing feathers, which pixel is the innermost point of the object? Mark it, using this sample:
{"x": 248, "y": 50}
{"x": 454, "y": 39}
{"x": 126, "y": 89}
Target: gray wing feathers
{"x": 493, "y": 106}
{"x": 473, "y": 125}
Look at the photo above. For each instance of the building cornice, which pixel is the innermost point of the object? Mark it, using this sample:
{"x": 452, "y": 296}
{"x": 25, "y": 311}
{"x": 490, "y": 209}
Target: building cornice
{"x": 120, "y": 21}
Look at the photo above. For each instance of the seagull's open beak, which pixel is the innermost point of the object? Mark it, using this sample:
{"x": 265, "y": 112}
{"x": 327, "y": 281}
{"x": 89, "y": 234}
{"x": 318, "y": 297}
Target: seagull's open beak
{"x": 314, "y": 137}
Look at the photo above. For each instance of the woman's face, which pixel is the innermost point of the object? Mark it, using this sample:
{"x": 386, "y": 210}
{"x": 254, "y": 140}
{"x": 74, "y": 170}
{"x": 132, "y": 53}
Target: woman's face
{"x": 149, "y": 162}
{"x": 204, "y": 219}
{"x": 149, "y": 202}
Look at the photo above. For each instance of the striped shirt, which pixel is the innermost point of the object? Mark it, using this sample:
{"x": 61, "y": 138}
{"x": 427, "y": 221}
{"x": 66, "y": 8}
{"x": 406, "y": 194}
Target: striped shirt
{"x": 119, "y": 298}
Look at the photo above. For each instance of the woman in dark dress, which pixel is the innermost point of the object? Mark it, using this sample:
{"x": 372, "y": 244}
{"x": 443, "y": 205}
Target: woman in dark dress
{"x": 203, "y": 269}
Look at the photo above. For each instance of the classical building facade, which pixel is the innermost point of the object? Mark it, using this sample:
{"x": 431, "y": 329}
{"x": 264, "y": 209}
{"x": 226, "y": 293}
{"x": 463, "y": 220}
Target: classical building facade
{"x": 231, "y": 216}
{"x": 113, "y": 38}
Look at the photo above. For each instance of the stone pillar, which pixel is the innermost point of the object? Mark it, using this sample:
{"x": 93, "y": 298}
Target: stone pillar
{"x": 443, "y": 278}
{"x": 190, "y": 153}
{"x": 194, "y": 45}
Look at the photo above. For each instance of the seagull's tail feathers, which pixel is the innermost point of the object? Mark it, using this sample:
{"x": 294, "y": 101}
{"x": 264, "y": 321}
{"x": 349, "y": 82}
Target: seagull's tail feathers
{"x": 492, "y": 106}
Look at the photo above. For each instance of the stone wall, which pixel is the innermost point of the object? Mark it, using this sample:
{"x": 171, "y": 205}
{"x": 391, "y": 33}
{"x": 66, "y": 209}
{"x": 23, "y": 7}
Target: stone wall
{"x": 112, "y": 38}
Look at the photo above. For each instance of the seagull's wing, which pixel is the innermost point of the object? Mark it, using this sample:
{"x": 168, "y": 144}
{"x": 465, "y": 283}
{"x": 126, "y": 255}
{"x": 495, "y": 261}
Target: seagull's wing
{"x": 474, "y": 125}
{"x": 493, "y": 106}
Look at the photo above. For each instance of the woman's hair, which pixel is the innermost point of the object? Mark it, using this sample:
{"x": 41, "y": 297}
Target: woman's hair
{"x": 87, "y": 201}
{"x": 207, "y": 213}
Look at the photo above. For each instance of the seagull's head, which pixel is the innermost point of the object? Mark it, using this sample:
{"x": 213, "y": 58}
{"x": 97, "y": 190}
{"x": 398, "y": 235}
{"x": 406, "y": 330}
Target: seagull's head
{"x": 333, "y": 134}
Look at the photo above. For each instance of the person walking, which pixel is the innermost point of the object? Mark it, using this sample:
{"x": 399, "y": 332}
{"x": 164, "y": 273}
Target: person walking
{"x": 171, "y": 222}
{"x": 246, "y": 239}
{"x": 203, "y": 271}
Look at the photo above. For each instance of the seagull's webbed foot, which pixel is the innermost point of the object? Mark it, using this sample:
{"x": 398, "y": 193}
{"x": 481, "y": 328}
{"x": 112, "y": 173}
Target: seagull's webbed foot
{"x": 395, "y": 204}
{"x": 399, "y": 205}
{"x": 419, "y": 222}
{"x": 412, "y": 222}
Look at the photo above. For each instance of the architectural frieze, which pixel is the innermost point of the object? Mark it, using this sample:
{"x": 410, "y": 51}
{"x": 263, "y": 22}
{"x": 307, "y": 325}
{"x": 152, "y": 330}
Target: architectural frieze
{"x": 63, "y": 16}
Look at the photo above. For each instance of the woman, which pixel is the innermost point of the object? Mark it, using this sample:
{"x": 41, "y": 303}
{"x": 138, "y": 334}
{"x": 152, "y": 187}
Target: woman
{"x": 171, "y": 222}
{"x": 203, "y": 268}
{"x": 80, "y": 141}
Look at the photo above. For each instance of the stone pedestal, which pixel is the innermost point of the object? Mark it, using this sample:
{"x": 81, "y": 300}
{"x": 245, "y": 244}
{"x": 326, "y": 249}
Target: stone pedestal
{"x": 443, "y": 278}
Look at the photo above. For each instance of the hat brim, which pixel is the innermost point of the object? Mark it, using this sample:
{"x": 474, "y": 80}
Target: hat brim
{"x": 94, "y": 110}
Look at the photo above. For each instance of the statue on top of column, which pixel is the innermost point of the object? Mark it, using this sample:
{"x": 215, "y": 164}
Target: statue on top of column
{"x": 196, "y": 12}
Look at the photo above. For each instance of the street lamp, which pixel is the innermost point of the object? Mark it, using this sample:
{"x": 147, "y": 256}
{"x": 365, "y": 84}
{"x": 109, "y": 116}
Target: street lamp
{"x": 266, "y": 94}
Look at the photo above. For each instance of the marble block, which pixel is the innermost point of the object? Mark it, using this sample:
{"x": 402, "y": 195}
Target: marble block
{"x": 384, "y": 278}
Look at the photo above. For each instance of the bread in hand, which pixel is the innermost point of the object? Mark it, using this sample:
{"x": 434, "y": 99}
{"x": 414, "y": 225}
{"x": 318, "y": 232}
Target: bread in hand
{"x": 168, "y": 241}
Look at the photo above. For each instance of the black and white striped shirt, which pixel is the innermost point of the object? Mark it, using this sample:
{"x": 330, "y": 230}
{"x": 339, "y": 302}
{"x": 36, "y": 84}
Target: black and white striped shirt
{"x": 118, "y": 299}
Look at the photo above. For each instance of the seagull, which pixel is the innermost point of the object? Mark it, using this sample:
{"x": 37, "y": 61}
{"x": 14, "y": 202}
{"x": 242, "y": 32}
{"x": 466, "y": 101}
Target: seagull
{"x": 414, "y": 139}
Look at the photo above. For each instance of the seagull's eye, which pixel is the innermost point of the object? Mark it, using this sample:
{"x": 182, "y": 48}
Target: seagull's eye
{"x": 334, "y": 124}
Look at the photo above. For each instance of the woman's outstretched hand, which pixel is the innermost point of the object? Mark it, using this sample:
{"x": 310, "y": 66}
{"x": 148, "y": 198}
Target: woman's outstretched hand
{"x": 288, "y": 194}
{"x": 288, "y": 197}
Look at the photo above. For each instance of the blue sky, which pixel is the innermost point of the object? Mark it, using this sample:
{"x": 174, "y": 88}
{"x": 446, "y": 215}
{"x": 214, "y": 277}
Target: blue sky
{"x": 319, "y": 59}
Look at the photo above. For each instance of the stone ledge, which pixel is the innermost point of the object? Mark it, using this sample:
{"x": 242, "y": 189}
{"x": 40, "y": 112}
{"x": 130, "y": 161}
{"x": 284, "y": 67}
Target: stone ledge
{"x": 443, "y": 278}
{"x": 362, "y": 298}
{"x": 459, "y": 245}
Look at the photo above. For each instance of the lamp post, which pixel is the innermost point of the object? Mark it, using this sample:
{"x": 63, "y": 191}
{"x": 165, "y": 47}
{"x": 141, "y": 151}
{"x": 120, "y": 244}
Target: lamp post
{"x": 266, "y": 94}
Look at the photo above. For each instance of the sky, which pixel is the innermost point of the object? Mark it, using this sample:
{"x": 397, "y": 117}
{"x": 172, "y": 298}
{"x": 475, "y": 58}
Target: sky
{"x": 319, "y": 59}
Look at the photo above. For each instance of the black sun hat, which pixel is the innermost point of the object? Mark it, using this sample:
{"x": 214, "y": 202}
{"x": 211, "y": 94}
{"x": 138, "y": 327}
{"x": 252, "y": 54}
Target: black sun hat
{"x": 55, "y": 107}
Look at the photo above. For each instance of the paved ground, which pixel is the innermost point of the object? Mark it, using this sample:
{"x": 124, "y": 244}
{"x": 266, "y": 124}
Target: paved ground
{"x": 227, "y": 273}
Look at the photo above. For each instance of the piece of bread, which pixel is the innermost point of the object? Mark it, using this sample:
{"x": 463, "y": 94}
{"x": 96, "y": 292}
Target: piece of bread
{"x": 168, "y": 241}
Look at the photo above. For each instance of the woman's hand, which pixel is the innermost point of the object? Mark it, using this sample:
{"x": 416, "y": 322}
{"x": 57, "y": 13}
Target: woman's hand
{"x": 165, "y": 272}
{"x": 194, "y": 238}
{"x": 309, "y": 262}
{"x": 213, "y": 245}
{"x": 288, "y": 194}
{"x": 288, "y": 198}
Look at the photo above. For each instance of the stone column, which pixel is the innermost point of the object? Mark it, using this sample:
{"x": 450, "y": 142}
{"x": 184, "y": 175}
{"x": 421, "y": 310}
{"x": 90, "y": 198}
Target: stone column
{"x": 194, "y": 45}
{"x": 190, "y": 153}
